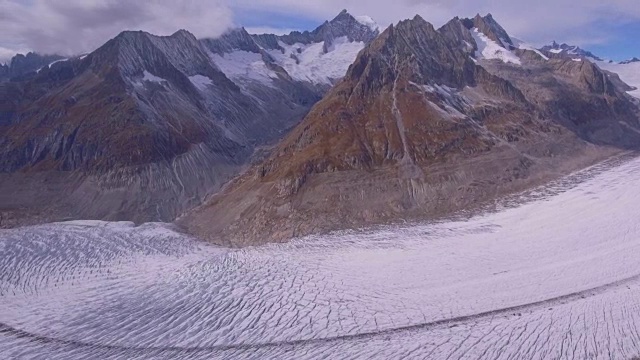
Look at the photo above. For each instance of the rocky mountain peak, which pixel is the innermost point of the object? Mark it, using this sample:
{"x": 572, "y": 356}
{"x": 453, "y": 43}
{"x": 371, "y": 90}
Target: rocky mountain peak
{"x": 456, "y": 31}
{"x": 343, "y": 25}
{"x": 492, "y": 29}
{"x": 431, "y": 55}
{"x": 137, "y": 55}
{"x": 231, "y": 40}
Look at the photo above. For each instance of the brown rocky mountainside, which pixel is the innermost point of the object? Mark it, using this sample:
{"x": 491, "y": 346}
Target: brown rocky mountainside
{"x": 421, "y": 126}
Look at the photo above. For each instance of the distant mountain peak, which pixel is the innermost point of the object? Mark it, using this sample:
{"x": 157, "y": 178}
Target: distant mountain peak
{"x": 22, "y": 64}
{"x": 566, "y": 50}
{"x": 632, "y": 60}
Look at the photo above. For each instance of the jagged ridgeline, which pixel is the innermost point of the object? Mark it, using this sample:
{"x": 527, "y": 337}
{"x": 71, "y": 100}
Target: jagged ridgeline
{"x": 426, "y": 122}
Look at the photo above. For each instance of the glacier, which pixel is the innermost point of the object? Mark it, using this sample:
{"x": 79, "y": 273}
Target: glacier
{"x": 549, "y": 273}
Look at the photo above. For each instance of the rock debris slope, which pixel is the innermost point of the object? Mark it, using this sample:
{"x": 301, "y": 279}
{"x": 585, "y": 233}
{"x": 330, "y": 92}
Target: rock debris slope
{"x": 426, "y": 122}
{"x": 146, "y": 126}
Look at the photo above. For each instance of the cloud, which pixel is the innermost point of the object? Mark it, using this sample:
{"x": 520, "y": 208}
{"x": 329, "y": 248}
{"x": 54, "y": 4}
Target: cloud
{"x": 75, "y": 26}
{"x": 268, "y": 30}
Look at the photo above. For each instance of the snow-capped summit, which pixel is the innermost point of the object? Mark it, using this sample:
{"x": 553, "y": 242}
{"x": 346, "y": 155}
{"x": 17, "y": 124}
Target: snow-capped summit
{"x": 484, "y": 38}
{"x": 368, "y": 21}
{"x": 361, "y": 29}
{"x": 565, "y": 50}
{"x": 319, "y": 57}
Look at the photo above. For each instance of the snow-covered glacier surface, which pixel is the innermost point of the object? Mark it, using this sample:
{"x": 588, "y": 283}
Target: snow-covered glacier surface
{"x": 550, "y": 274}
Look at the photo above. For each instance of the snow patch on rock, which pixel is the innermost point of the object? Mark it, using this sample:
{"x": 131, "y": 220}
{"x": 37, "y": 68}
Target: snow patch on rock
{"x": 200, "y": 81}
{"x": 489, "y": 49}
{"x": 310, "y": 62}
{"x": 244, "y": 66}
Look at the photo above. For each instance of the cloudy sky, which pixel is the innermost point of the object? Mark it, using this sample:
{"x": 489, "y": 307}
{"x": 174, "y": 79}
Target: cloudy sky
{"x": 610, "y": 28}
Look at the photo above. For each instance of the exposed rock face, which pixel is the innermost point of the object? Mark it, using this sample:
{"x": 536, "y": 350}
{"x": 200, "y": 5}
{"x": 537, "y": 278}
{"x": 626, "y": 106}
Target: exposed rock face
{"x": 490, "y": 27}
{"x": 24, "y": 64}
{"x": 418, "y": 128}
{"x": 144, "y": 127}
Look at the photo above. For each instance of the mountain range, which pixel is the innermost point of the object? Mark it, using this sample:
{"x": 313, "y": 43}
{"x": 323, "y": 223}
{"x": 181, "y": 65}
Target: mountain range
{"x": 341, "y": 127}
{"x": 146, "y": 126}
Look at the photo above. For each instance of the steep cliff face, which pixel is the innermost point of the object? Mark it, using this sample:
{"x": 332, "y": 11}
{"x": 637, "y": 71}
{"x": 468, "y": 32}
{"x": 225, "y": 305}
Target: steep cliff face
{"x": 424, "y": 123}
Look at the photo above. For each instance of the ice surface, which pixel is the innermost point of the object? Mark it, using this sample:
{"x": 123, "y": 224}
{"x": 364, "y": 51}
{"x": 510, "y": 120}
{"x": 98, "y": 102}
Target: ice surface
{"x": 490, "y": 49}
{"x": 310, "y": 63}
{"x": 244, "y": 66}
{"x": 552, "y": 273}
